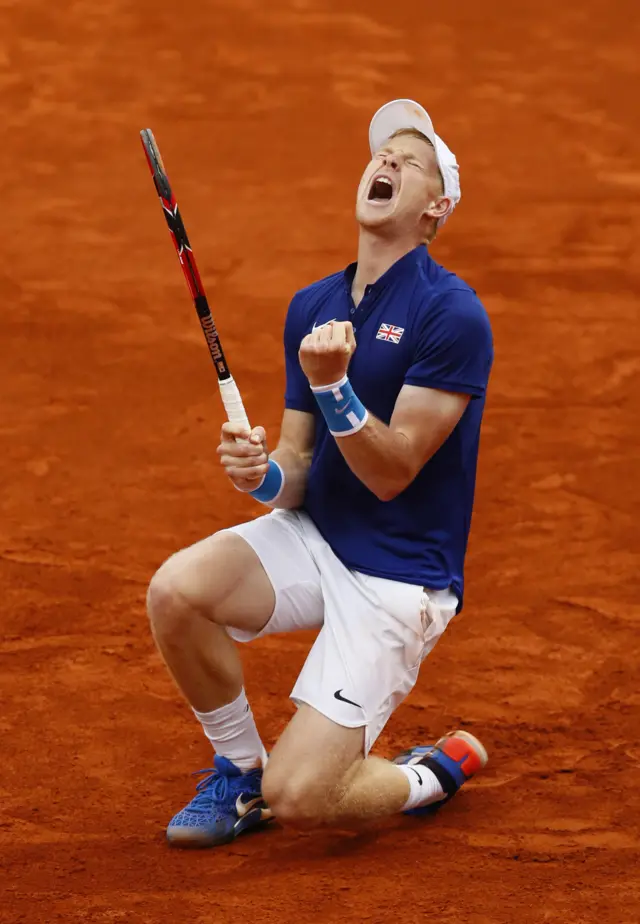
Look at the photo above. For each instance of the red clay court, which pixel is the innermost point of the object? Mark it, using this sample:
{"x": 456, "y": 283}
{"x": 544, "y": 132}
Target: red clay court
{"x": 110, "y": 416}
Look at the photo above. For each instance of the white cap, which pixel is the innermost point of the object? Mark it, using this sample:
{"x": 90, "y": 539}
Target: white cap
{"x": 406, "y": 113}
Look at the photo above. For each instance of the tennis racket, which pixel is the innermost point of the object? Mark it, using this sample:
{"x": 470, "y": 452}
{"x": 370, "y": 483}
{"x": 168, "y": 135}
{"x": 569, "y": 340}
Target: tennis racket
{"x": 228, "y": 389}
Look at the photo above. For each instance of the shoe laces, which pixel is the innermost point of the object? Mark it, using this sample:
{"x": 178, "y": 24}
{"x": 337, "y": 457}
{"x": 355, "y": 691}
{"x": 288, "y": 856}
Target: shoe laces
{"x": 214, "y": 787}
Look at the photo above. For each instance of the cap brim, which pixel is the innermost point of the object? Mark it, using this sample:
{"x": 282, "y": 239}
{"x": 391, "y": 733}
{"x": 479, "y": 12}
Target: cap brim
{"x": 395, "y": 116}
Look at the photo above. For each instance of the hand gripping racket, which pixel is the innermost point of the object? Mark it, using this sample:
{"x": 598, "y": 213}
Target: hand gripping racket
{"x": 228, "y": 389}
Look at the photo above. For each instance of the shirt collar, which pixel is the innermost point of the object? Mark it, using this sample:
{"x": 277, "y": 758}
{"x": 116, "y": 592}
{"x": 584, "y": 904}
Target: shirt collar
{"x": 406, "y": 266}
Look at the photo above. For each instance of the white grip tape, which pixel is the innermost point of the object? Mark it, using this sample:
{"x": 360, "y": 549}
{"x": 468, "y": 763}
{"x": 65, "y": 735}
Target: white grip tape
{"x": 233, "y": 402}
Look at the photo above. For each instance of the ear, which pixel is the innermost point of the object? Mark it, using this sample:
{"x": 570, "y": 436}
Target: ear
{"x": 438, "y": 208}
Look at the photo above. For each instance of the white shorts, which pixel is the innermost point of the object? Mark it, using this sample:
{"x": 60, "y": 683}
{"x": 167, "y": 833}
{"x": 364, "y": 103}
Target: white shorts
{"x": 374, "y": 633}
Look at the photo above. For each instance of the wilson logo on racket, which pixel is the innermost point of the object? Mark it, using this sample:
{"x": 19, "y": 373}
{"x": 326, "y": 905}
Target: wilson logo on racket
{"x": 229, "y": 392}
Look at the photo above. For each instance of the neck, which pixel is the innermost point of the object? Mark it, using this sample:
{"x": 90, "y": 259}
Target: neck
{"x": 375, "y": 255}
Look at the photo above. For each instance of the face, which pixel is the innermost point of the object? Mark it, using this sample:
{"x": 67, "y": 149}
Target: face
{"x": 402, "y": 187}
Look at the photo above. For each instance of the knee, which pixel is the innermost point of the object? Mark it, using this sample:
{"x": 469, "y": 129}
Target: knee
{"x": 167, "y": 607}
{"x": 294, "y": 799}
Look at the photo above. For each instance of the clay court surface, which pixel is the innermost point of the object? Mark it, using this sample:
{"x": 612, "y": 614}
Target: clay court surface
{"x": 109, "y": 418}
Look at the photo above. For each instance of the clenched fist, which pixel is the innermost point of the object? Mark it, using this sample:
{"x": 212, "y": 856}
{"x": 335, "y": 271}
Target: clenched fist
{"x": 244, "y": 455}
{"x": 325, "y": 353}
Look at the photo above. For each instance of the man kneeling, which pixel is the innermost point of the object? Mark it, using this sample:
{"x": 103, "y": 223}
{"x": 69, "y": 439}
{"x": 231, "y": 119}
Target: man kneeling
{"x": 372, "y": 487}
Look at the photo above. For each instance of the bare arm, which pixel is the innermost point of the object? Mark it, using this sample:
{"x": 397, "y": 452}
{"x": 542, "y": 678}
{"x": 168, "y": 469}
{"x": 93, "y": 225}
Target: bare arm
{"x": 387, "y": 458}
{"x": 245, "y": 456}
{"x": 293, "y": 454}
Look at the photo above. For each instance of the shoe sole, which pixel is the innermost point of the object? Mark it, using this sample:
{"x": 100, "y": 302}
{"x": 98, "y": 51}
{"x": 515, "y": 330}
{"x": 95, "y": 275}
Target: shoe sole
{"x": 480, "y": 752}
{"x": 472, "y": 741}
{"x": 190, "y": 839}
{"x": 476, "y": 745}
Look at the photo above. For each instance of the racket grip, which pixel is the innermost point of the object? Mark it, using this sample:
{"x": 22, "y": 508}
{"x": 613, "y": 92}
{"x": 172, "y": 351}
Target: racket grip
{"x": 233, "y": 402}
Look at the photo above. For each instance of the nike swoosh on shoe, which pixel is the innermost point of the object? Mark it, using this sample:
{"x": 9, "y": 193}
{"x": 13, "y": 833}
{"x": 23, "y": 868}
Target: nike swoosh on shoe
{"x": 243, "y": 808}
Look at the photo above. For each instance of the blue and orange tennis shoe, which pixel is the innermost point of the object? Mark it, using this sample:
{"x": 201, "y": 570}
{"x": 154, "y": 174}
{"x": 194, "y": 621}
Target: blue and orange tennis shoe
{"x": 227, "y": 803}
{"x": 453, "y": 759}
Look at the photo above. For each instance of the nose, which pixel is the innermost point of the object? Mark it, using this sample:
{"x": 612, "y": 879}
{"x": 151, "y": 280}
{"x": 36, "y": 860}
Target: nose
{"x": 390, "y": 160}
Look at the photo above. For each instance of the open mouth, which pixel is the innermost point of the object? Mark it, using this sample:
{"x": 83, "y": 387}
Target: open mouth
{"x": 381, "y": 189}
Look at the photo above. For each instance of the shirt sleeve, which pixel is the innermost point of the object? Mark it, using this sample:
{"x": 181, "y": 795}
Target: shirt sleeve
{"x": 454, "y": 346}
{"x": 298, "y": 395}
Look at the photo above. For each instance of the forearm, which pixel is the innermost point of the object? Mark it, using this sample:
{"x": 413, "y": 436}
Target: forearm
{"x": 380, "y": 457}
{"x": 295, "y": 467}
{"x": 385, "y": 458}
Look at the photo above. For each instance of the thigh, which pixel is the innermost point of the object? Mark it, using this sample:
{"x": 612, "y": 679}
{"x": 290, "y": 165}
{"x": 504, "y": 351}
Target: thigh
{"x": 366, "y": 659}
{"x": 288, "y": 557}
{"x": 256, "y": 578}
{"x": 223, "y": 578}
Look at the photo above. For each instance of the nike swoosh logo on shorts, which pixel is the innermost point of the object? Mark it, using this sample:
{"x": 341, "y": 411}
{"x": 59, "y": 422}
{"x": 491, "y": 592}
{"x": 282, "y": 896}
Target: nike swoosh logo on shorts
{"x": 324, "y": 324}
{"x": 343, "y": 699}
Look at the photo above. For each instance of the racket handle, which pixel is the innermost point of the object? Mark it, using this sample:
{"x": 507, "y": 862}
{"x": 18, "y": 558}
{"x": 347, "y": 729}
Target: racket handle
{"x": 233, "y": 402}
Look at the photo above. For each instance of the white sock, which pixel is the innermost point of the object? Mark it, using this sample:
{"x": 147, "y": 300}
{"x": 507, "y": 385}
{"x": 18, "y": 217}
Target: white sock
{"x": 425, "y": 786}
{"x": 232, "y": 732}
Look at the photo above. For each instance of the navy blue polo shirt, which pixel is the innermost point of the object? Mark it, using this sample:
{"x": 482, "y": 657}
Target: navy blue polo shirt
{"x": 418, "y": 325}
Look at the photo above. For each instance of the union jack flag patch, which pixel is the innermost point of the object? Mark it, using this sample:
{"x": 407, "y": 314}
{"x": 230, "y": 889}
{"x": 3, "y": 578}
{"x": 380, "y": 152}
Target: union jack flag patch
{"x": 390, "y": 332}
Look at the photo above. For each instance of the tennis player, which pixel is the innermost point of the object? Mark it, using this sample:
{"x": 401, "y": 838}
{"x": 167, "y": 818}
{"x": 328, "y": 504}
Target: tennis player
{"x": 372, "y": 486}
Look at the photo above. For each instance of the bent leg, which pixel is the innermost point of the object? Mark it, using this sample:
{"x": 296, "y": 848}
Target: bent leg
{"x": 257, "y": 578}
{"x": 317, "y": 775}
{"x": 192, "y": 598}
{"x": 361, "y": 667}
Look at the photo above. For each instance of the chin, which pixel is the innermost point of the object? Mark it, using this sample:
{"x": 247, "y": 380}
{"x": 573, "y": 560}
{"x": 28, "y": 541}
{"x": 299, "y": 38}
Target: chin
{"x": 374, "y": 218}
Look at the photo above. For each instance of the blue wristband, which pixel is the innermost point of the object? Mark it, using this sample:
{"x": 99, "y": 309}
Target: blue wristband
{"x": 271, "y": 485}
{"x": 342, "y": 409}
